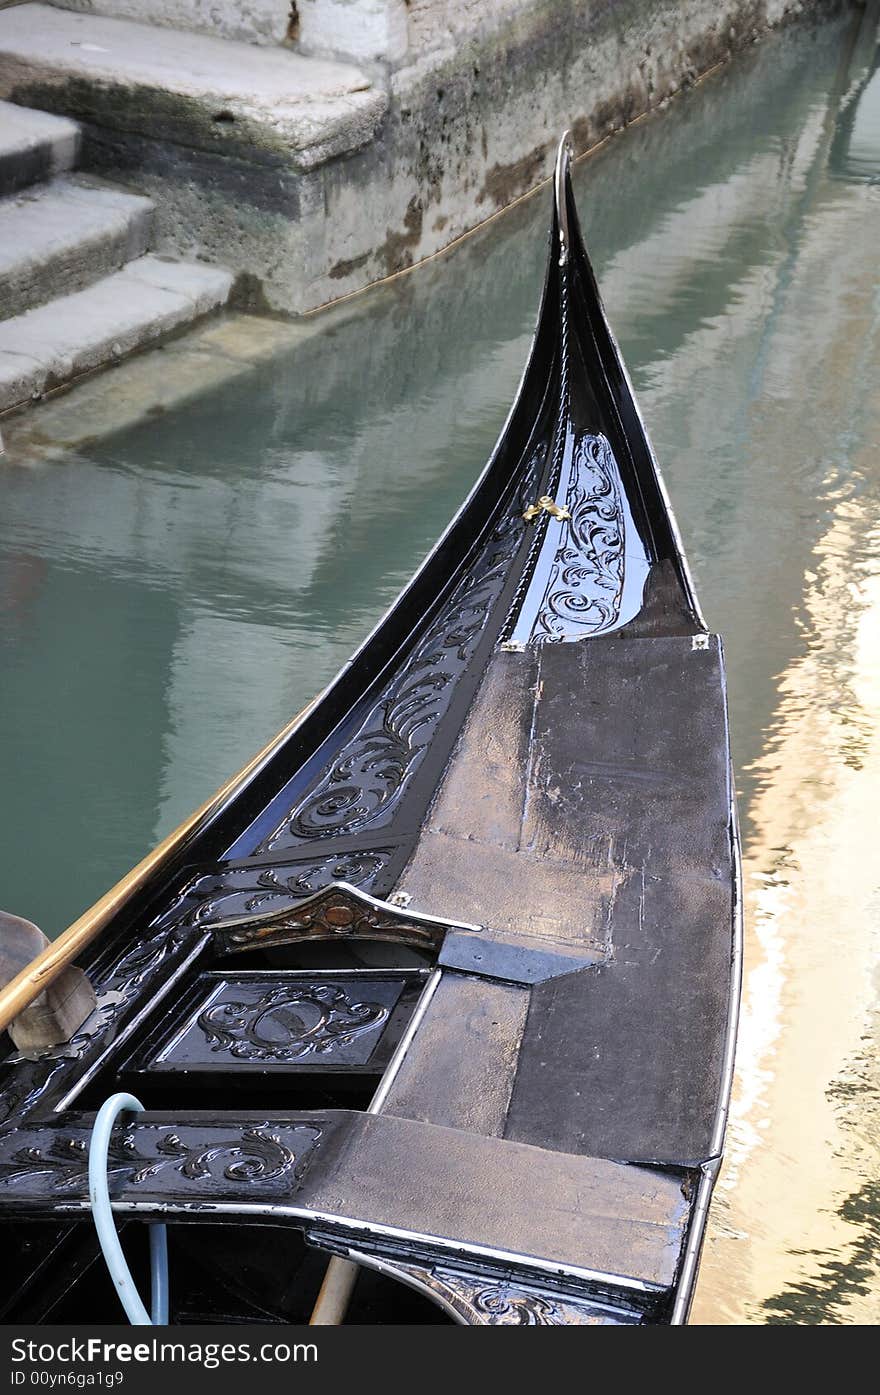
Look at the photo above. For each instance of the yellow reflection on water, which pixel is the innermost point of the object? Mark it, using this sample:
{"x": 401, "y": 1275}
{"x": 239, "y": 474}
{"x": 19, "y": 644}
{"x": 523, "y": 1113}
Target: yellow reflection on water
{"x": 795, "y": 1224}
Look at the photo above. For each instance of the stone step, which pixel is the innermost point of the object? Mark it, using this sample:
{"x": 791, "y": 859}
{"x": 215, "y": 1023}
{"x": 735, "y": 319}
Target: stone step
{"x": 266, "y": 105}
{"x": 149, "y": 298}
{"x": 60, "y": 237}
{"x": 34, "y": 145}
{"x": 252, "y": 21}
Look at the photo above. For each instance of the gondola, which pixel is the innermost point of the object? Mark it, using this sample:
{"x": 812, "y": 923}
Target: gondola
{"x": 429, "y": 1014}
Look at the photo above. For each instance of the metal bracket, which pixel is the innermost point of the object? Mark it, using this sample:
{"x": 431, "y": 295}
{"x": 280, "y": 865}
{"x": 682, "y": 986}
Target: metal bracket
{"x": 338, "y": 911}
{"x": 549, "y": 505}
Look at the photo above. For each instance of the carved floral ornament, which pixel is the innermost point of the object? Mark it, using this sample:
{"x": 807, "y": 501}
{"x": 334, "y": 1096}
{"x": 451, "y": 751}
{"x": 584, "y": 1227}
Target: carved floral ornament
{"x": 576, "y": 586}
{"x": 362, "y": 786}
{"x": 142, "y": 1153}
{"x": 288, "y": 1022}
{"x": 338, "y": 912}
{"x": 235, "y": 893}
{"x": 482, "y": 1301}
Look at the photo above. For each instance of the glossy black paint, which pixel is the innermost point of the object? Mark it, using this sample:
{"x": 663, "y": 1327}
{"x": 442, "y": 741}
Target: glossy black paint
{"x": 262, "y": 1025}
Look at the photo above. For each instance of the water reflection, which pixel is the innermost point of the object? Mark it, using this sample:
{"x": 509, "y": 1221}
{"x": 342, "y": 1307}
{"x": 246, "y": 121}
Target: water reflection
{"x": 172, "y": 594}
{"x": 855, "y": 153}
{"x": 798, "y": 1211}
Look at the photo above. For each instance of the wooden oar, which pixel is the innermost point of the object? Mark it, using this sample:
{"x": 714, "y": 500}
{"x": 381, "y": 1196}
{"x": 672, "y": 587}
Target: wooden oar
{"x": 27, "y": 985}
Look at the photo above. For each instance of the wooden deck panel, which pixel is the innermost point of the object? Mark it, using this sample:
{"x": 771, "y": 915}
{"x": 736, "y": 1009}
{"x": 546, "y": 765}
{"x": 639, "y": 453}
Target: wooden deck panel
{"x": 612, "y": 839}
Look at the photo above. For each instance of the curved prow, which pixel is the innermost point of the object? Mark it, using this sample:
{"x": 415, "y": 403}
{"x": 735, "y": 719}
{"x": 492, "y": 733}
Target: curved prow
{"x": 606, "y": 553}
{"x": 561, "y": 187}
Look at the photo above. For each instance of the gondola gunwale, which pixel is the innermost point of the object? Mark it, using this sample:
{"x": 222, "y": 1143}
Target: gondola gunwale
{"x": 710, "y": 1169}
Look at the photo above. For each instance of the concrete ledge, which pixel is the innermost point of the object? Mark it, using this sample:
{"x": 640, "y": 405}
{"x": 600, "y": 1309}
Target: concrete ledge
{"x": 203, "y": 93}
{"x": 120, "y": 314}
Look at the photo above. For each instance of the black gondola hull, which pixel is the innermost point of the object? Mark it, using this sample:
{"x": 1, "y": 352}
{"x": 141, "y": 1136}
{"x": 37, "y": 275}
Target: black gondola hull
{"x": 449, "y": 984}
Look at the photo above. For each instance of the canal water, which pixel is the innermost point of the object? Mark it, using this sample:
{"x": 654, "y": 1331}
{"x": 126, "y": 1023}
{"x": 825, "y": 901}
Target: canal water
{"x": 172, "y": 594}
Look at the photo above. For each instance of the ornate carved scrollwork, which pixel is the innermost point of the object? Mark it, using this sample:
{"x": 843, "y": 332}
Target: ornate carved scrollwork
{"x": 576, "y": 583}
{"x": 337, "y": 912}
{"x": 480, "y": 1301}
{"x": 585, "y": 585}
{"x": 250, "y": 890}
{"x": 289, "y": 1022}
{"x": 117, "y": 980}
{"x": 364, "y": 783}
{"x": 140, "y": 1154}
{"x": 509, "y": 1305}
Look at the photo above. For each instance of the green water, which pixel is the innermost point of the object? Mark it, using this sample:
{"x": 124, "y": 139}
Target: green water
{"x": 169, "y": 597}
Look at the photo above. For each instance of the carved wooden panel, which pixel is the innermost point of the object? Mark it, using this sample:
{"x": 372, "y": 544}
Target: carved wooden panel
{"x": 244, "y": 889}
{"x": 484, "y": 1300}
{"x": 363, "y": 785}
{"x": 221, "y": 1159}
{"x": 282, "y": 1021}
{"x": 589, "y": 576}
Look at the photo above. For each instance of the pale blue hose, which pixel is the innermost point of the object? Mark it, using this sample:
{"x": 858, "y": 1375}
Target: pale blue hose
{"x": 99, "y": 1196}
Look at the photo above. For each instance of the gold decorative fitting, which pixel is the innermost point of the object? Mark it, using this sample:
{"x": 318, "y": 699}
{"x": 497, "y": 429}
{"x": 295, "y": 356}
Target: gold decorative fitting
{"x": 551, "y": 507}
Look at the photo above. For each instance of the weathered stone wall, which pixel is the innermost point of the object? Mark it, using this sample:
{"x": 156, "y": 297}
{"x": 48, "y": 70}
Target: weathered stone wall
{"x": 479, "y": 94}
{"x": 364, "y": 30}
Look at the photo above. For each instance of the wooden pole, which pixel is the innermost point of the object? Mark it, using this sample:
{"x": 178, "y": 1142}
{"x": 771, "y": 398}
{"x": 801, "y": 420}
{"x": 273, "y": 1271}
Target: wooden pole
{"x": 332, "y": 1302}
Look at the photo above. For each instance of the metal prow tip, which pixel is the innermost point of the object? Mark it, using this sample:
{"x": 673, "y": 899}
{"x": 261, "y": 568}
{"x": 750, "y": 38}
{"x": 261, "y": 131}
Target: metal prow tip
{"x": 560, "y": 186}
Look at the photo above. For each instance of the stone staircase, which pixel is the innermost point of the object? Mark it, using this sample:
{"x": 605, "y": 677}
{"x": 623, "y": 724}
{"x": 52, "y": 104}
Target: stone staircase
{"x": 255, "y": 156}
{"x": 78, "y": 286}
